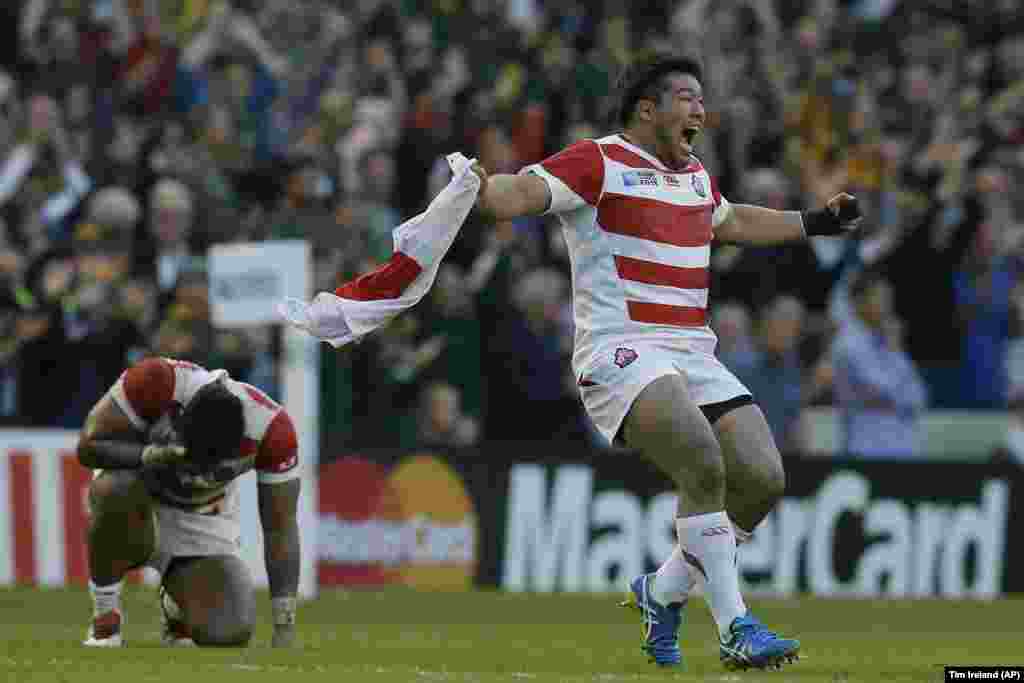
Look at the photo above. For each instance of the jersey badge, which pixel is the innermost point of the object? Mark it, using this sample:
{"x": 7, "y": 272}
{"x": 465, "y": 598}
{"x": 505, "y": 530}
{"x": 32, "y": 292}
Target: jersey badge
{"x": 624, "y": 356}
{"x": 698, "y": 185}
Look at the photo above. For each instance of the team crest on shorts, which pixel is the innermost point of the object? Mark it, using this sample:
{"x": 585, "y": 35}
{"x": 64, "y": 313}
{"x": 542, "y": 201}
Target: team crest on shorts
{"x": 698, "y": 185}
{"x": 624, "y": 356}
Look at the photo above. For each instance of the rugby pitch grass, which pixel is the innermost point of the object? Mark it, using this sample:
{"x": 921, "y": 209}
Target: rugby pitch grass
{"x": 401, "y": 635}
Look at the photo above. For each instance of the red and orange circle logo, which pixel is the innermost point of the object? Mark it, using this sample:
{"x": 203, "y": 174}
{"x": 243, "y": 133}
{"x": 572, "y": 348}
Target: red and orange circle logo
{"x": 413, "y": 524}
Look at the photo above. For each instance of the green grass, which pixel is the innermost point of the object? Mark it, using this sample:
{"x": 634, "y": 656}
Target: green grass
{"x": 399, "y": 635}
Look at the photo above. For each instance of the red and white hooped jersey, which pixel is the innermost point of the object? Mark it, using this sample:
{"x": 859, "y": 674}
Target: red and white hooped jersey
{"x": 639, "y": 237}
{"x": 155, "y": 387}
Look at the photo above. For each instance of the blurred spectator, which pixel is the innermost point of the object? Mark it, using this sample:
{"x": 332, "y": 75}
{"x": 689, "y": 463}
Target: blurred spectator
{"x": 879, "y": 391}
{"x": 741, "y": 274}
{"x": 983, "y": 286}
{"x": 440, "y": 421}
{"x": 103, "y": 332}
{"x": 1014, "y": 361}
{"x": 135, "y": 134}
{"x": 41, "y": 181}
{"x": 171, "y": 212}
{"x": 37, "y": 359}
{"x": 452, "y": 313}
{"x": 1012, "y": 447}
{"x": 302, "y": 211}
{"x": 9, "y": 413}
{"x": 186, "y": 332}
{"x": 104, "y": 240}
{"x": 773, "y": 371}
{"x": 533, "y": 383}
{"x": 373, "y": 214}
{"x": 731, "y": 323}
{"x": 387, "y": 371}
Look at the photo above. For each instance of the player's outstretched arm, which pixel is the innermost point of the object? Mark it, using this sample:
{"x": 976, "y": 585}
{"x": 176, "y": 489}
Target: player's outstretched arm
{"x": 278, "y": 515}
{"x": 759, "y": 226}
{"x": 505, "y": 196}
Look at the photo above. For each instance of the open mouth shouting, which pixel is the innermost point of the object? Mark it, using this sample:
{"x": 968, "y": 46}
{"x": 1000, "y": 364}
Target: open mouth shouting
{"x": 690, "y": 134}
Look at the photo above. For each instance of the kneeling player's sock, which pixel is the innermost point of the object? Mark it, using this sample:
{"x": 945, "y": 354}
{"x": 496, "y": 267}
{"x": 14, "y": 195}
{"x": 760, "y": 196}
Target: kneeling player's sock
{"x": 707, "y": 542}
{"x": 674, "y": 579}
{"x": 105, "y": 598}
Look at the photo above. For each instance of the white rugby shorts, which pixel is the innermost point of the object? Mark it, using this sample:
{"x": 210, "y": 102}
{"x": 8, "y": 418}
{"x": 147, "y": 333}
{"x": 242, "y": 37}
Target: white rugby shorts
{"x": 612, "y": 379}
{"x": 180, "y": 533}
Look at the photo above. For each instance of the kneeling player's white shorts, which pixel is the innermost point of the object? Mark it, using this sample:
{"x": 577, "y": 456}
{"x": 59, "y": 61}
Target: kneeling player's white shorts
{"x": 180, "y": 533}
{"x": 613, "y": 378}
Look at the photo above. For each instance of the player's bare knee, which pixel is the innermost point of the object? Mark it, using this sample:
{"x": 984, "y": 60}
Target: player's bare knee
{"x": 766, "y": 481}
{"x": 235, "y": 629}
{"x": 110, "y": 484}
{"x": 231, "y": 634}
{"x": 116, "y": 490}
{"x": 230, "y": 626}
{"x": 237, "y": 636}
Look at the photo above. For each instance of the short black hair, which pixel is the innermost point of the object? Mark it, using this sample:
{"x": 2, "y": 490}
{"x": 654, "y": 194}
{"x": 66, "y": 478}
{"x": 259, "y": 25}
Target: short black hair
{"x": 212, "y": 425}
{"x": 645, "y": 79}
{"x": 863, "y": 281}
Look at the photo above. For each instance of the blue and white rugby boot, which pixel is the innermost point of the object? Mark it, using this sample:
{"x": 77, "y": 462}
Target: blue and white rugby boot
{"x": 660, "y": 622}
{"x": 752, "y": 646}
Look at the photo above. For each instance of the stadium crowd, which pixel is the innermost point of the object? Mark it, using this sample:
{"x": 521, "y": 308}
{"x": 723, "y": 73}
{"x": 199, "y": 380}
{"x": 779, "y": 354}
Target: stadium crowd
{"x": 136, "y": 133}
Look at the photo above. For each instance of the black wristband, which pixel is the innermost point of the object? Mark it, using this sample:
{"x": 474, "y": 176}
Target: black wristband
{"x": 821, "y": 222}
{"x": 109, "y": 454}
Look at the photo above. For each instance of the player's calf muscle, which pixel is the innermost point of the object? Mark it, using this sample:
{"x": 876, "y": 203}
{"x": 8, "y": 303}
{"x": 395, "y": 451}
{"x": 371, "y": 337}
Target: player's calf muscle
{"x": 693, "y": 461}
{"x": 705, "y": 468}
{"x": 121, "y": 531}
{"x": 752, "y": 494}
{"x": 756, "y": 475}
{"x": 746, "y": 510}
{"x": 699, "y": 475}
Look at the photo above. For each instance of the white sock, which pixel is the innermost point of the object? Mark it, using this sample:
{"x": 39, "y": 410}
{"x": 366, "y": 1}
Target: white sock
{"x": 105, "y": 598}
{"x": 674, "y": 579}
{"x": 708, "y": 543}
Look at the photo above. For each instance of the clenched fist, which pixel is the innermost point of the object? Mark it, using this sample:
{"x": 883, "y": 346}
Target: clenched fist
{"x": 840, "y": 216}
{"x": 163, "y": 455}
{"x": 481, "y": 172}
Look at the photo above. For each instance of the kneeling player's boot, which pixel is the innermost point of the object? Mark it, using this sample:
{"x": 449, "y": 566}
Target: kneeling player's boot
{"x": 660, "y": 622}
{"x": 105, "y": 630}
{"x": 751, "y": 645}
{"x": 175, "y": 632}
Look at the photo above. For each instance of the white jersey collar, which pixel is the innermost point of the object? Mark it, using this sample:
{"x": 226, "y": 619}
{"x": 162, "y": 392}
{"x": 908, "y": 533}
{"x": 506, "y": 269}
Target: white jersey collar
{"x": 619, "y": 138}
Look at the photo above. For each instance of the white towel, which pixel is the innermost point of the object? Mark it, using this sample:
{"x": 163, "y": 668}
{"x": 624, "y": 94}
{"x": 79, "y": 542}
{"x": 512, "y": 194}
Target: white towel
{"x": 368, "y": 302}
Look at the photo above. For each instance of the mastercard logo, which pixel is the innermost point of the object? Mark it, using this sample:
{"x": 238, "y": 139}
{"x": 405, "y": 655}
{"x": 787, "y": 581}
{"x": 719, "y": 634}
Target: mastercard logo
{"x": 412, "y": 524}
